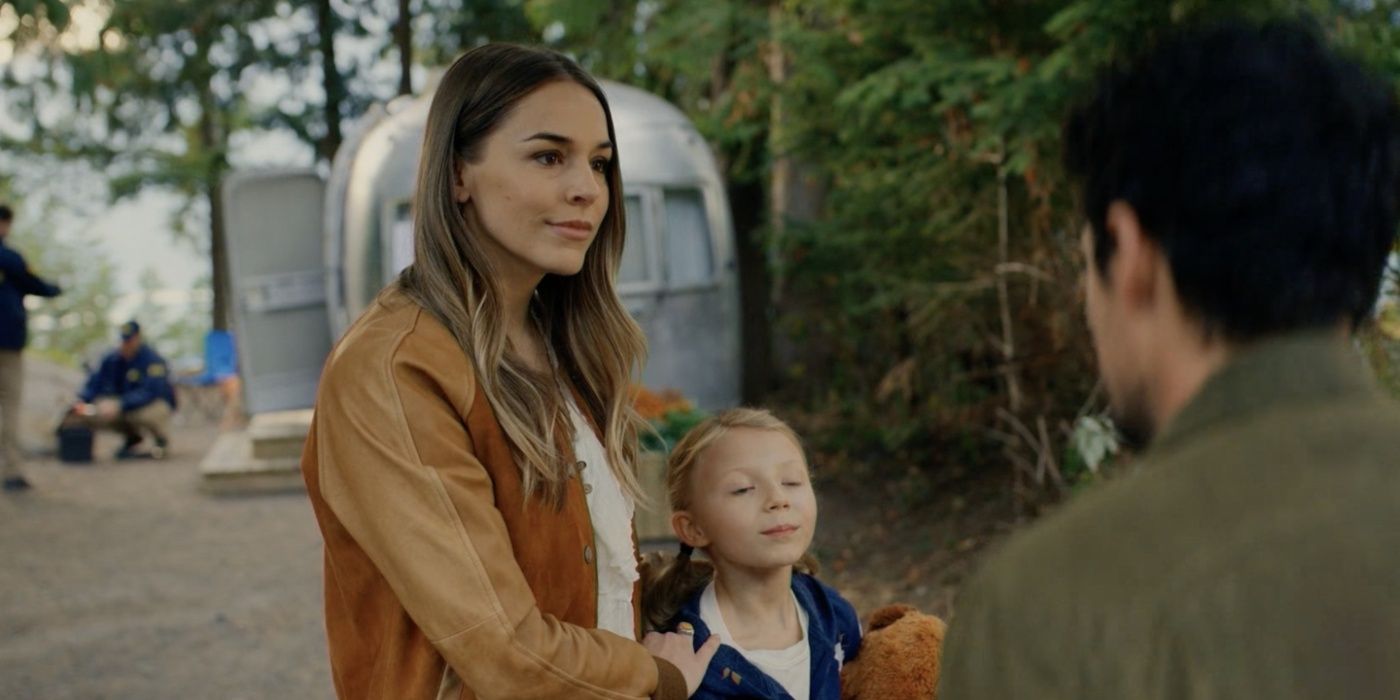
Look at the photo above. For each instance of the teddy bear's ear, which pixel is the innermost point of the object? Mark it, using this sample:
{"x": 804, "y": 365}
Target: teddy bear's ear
{"x": 886, "y": 616}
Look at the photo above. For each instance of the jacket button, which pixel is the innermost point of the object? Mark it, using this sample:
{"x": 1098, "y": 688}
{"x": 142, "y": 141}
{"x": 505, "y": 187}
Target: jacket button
{"x": 587, "y": 489}
{"x": 579, "y": 465}
{"x": 588, "y": 554}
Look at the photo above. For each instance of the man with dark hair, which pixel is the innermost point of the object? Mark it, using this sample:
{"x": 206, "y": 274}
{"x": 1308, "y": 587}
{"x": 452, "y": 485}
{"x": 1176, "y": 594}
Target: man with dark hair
{"x": 1240, "y": 185}
{"x": 16, "y": 281}
{"x": 131, "y": 393}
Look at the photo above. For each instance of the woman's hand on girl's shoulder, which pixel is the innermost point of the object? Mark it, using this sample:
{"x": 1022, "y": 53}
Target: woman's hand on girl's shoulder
{"x": 679, "y": 649}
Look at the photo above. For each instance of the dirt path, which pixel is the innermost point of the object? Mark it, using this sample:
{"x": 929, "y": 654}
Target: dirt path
{"x": 878, "y": 551}
{"x": 122, "y": 580}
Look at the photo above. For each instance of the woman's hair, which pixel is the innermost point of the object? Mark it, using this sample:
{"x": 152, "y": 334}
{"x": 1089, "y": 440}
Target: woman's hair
{"x": 668, "y": 583}
{"x": 597, "y": 344}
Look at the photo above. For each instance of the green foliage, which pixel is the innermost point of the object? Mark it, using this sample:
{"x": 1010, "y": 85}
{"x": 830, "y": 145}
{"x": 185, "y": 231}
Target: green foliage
{"x": 930, "y": 308}
{"x": 155, "y": 95}
{"x": 154, "y": 101}
{"x": 706, "y": 57}
{"x": 288, "y": 49}
{"x": 72, "y": 327}
{"x": 670, "y": 428}
{"x": 69, "y": 328}
{"x": 932, "y": 121}
{"x": 450, "y": 27}
{"x": 1382, "y": 349}
{"x": 1380, "y": 342}
{"x": 37, "y": 19}
{"x": 168, "y": 324}
{"x": 601, "y": 33}
{"x": 1093, "y": 443}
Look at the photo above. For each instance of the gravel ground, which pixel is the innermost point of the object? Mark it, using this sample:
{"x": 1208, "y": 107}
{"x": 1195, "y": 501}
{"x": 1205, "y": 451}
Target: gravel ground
{"x": 122, "y": 580}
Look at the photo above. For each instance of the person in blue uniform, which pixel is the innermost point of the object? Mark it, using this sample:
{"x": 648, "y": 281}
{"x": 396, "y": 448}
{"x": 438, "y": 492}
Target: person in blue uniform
{"x": 131, "y": 393}
{"x": 16, "y": 281}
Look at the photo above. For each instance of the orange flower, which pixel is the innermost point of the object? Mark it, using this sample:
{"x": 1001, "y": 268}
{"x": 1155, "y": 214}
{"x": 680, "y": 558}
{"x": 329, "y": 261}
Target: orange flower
{"x": 655, "y": 405}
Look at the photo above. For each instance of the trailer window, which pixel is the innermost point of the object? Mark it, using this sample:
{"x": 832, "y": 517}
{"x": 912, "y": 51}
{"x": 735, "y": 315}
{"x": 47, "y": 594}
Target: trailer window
{"x": 634, "y": 266}
{"x": 689, "y": 255}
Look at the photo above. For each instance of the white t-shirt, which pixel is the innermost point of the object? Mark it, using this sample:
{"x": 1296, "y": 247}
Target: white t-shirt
{"x": 790, "y": 667}
{"x": 611, "y": 512}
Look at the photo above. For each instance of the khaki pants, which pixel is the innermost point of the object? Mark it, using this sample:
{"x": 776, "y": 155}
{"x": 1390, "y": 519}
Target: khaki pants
{"x": 11, "y": 385}
{"x": 153, "y": 418}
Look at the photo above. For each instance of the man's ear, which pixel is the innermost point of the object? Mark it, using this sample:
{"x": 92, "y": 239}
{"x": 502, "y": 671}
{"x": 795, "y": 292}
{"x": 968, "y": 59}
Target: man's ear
{"x": 461, "y": 181}
{"x": 687, "y": 530}
{"x": 1136, "y": 258}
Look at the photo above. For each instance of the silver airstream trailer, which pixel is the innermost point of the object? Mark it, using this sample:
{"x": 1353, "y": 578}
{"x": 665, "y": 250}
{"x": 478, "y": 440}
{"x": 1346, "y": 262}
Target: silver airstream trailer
{"x": 308, "y": 255}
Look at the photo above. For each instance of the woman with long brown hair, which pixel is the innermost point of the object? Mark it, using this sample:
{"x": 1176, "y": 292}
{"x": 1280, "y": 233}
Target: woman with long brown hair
{"x": 470, "y": 459}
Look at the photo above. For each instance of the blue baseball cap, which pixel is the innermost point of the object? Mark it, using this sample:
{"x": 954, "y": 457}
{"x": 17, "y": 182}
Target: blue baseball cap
{"x": 129, "y": 329}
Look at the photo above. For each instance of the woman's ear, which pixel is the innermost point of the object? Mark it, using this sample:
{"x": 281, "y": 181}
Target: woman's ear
{"x": 461, "y": 181}
{"x": 687, "y": 530}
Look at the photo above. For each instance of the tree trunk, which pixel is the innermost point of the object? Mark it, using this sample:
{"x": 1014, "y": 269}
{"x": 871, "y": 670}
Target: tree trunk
{"x": 755, "y": 291}
{"x": 218, "y": 254}
{"x": 212, "y": 141}
{"x": 1008, "y": 334}
{"x": 403, "y": 38}
{"x": 334, "y": 85}
{"x": 746, "y": 205}
{"x": 795, "y": 195}
{"x": 780, "y": 175}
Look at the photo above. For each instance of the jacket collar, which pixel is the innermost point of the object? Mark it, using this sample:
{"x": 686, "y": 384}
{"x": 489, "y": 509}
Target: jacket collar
{"x": 1288, "y": 369}
{"x": 732, "y": 675}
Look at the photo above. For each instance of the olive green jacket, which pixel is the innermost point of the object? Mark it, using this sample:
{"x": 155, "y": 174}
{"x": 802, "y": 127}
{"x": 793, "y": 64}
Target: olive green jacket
{"x": 1253, "y": 553}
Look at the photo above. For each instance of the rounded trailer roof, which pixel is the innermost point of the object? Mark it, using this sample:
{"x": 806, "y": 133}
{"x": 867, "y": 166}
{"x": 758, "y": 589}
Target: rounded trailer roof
{"x": 634, "y": 107}
{"x": 657, "y": 143}
{"x": 376, "y": 173}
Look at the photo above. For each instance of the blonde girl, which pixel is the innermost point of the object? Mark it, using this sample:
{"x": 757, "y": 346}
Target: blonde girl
{"x": 740, "y": 492}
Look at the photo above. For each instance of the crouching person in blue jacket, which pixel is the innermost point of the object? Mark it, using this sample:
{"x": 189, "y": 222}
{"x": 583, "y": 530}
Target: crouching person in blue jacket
{"x": 131, "y": 393}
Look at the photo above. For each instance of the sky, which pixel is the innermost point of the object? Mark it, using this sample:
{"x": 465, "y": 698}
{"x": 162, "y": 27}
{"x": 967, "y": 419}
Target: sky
{"x": 136, "y": 234}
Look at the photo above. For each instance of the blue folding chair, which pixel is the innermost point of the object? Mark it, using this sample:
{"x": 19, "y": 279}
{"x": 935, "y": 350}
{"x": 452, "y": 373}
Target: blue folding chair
{"x": 220, "y": 370}
{"x": 220, "y": 358}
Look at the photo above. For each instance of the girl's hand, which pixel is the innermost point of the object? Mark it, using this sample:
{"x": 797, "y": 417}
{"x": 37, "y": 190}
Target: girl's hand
{"x": 680, "y": 650}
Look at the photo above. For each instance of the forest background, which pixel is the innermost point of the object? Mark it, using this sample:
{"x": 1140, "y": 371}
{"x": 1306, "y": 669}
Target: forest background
{"x": 906, "y": 237}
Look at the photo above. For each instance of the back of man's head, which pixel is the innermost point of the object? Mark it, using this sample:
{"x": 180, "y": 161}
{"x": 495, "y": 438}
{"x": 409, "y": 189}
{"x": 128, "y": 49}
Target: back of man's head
{"x": 1262, "y": 163}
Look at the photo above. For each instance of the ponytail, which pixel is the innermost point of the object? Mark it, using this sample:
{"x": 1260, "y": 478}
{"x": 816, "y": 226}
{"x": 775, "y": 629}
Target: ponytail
{"x": 668, "y": 583}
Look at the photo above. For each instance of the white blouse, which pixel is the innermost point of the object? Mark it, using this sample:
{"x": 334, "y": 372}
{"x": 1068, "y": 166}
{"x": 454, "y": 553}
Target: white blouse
{"x": 790, "y": 667}
{"x": 611, "y": 512}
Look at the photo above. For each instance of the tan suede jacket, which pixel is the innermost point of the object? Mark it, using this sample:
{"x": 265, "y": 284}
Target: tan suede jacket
{"x": 441, "y": 580}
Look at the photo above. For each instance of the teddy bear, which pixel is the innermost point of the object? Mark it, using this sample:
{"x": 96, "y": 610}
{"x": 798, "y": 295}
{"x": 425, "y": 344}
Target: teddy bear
{"x": 898, "y": 657}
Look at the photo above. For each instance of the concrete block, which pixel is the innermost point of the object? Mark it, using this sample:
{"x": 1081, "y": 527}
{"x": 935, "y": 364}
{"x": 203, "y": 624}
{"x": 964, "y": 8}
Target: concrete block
{"x": 230, "y": 468}
{"x": 279, "y": 434}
